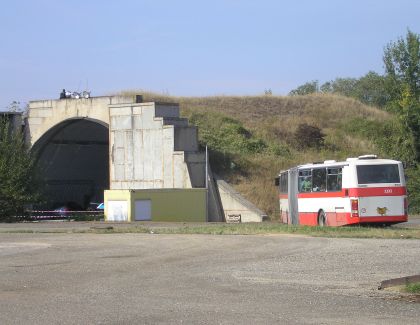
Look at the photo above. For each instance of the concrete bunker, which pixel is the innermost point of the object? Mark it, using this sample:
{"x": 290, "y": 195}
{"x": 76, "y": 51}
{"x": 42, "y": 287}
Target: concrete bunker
{"x": 143, "y": 155}
{"x": 73, "y": 157}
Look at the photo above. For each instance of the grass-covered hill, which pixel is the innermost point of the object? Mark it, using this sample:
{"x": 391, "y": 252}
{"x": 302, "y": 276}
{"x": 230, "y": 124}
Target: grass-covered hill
{"x": 252, "y": 138}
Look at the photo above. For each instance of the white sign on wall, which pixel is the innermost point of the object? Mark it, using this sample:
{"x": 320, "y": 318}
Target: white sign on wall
{"x": 117, "y": 211}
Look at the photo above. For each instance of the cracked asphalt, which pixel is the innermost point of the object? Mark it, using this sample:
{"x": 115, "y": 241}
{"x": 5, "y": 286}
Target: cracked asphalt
{"x": 202, "y": 279}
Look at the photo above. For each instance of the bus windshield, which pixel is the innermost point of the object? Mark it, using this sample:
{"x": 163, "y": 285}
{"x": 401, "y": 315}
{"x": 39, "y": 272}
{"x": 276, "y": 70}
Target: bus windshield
{"x": 373, "y": 174}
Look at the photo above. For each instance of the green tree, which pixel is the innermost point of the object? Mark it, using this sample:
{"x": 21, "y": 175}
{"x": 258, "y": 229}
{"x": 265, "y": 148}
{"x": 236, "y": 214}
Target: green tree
{"x": 19, "y": 184}
{"x": 306, "y": 89}
{"x": 410, "y": 118}
{"x": 344, "y": 86}
{"x": 371, "y": 89}
{"x": 402, "y": 66}
{"x": 402, "y": 70}
{"x": 327, "y": 87}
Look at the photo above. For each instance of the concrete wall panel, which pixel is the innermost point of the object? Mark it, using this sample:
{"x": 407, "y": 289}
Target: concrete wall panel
{"x": 138, "y": 148}
{"x": 137, "y": 122}
{"x": 167, "y": 111}
{"x": 117, "y": 111}
{"x": 35, "y": 120}
{"x": 175, "y": 121}
{"x": 117, "y": 155}
{"x": 181, "y": 176}
{"x": 41, "y": 104}
{"x": 186, "y": 139}
{"x": 168, "y": 164}
{"x": 118, "y": 137}
{"x": 148, "y": 154}
{"x": 196, "y": 164}
{"x": 116, "y": 100}
{"x": 121, "y": 122}
{"x": 128, "y": 154}
{"x": 119, "y": 165}
{"x": 137, "y": 110}
{"x": 148, "y": 118}
{"x": 42, "y": 112}
{"x": 158, "y": 157}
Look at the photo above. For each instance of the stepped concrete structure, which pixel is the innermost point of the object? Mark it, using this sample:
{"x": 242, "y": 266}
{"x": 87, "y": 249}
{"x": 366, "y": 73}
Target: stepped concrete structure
{"x": 143, "y": 155}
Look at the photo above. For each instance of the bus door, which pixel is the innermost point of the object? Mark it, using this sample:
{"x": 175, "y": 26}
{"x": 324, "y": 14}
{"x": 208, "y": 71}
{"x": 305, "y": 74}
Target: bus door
{"x": 293, "y": 196}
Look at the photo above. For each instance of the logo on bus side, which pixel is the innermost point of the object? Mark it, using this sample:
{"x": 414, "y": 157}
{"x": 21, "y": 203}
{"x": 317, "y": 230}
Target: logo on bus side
{"x": 388, "y": 191}
{"x": 382, "y": 211}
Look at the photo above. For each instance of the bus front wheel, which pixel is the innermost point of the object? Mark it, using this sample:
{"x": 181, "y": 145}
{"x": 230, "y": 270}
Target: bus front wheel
{"x": 322, "y": 219}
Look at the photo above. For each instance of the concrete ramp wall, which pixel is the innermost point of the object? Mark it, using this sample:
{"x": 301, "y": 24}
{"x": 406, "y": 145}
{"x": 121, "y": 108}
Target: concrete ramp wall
{"x": 234, "y": 204}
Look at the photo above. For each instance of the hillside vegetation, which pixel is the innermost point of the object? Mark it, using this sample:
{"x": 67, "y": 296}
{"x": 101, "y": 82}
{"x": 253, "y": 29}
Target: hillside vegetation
{"x": 252, "y": 138}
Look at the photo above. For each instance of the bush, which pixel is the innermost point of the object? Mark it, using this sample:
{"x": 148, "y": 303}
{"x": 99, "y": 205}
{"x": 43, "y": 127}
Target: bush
{"x": 226, "y": 135}
{"x": 308, "y": 136}
{"x": 413, "y": 189}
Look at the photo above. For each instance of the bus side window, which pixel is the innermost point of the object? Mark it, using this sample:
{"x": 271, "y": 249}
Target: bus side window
{"x": 305, "y": 181}
{"x": 319, "y": 180}
{"x": 334, "y": 179}
{"x": 283, "y": 184}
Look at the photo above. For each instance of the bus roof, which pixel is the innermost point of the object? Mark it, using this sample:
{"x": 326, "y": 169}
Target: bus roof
{"x": 361, "y": 160}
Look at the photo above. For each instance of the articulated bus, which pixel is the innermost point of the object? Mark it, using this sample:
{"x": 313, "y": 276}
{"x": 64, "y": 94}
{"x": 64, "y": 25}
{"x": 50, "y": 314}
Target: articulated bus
{"x": 359, "y": 190}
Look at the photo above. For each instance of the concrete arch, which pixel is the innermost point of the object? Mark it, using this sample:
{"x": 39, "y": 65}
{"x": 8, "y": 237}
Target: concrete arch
{"x": 73, "y": 157}
{"x": 52, "y": 130}
{"x": 45, "y": 114}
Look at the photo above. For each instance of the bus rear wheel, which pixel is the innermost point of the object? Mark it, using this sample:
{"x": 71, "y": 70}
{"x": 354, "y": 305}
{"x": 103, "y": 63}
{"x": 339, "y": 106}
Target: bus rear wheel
{"x": 322, "y": 219}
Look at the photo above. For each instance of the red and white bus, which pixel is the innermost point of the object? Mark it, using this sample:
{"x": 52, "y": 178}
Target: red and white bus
{"x": 359, "y": 190}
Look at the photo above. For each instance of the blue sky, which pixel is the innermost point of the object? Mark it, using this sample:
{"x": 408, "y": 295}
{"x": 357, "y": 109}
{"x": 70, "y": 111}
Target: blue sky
{"x": 192, "y": 48}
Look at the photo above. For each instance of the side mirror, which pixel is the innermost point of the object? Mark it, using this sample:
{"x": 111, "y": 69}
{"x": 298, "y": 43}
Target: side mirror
{"x": 277, "y": 181}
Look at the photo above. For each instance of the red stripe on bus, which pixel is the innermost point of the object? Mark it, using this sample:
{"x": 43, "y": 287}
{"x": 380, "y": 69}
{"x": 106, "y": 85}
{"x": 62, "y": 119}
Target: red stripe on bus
{"x": 377, "y": 191}
{"x": 333, "y": 219}
{"x": 308, "y": 218}
{"x": 345, "y": 218}
{"x": 320, "y": 194}
{"x": 283, "y": 196}
{"x": 383, "y": 219}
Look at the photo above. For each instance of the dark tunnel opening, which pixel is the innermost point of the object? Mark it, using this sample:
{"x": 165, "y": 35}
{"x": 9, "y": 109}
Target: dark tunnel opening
{"x": 73, "y": 158}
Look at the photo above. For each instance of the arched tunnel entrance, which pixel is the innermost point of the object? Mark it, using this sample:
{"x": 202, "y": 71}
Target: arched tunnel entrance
{"x": 73, "y": 158}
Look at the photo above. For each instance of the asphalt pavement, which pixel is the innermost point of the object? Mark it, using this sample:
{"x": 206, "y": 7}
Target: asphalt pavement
{"x": 202, "y": 279}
